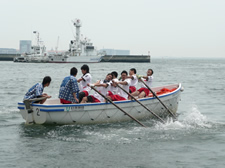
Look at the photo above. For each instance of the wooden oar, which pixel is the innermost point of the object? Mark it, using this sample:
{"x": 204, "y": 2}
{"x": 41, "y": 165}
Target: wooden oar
{"x": 158, "y": 99}
{"x": 142, "y": 104}
{"x": 118, "y": 107}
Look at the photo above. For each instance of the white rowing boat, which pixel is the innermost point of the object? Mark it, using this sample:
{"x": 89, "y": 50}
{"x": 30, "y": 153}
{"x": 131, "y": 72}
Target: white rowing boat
{"x": 53, "y": 112}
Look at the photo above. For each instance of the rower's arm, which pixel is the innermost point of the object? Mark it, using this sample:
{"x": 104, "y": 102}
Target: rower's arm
{"x": 75, "y": 97}
{"x": 148, "y": 78}
{"x": 130, "y": 77}
{"x": 79, "y": 79}
{"x": 98, "y": 84}
{"x": 45, "y": 95}
{"x": 145, "y": 77}
{"x": 103, "y": 84}
{"x": 122, "y": 82}
{"x": 94, "y": 84}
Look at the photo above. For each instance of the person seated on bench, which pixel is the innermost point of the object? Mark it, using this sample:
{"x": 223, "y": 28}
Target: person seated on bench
{"x": 36, "y": 91}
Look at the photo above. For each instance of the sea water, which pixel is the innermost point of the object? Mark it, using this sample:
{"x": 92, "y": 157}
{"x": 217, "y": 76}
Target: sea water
{"x": 197, "y": 139}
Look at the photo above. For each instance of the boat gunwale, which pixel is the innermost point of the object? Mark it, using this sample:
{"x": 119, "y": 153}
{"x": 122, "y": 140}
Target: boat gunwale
{"x": 103, "y": 103}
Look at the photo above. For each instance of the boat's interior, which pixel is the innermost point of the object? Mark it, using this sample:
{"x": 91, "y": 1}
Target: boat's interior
{"x": 158, "y": 90}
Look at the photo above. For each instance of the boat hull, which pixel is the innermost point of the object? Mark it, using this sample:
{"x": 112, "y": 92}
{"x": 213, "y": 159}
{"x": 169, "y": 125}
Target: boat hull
{"x": 94, "y": 113}
{"x": 76, "y": 59}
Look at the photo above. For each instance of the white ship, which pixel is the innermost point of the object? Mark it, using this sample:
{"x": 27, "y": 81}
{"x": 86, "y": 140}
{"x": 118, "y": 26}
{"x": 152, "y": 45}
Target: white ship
{"x": 80, "y": 50}
{"x": 38, "y": 52}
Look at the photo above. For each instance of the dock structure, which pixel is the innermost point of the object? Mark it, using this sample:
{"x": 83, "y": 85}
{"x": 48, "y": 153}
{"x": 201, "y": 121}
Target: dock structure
{"x": 106, "y": 58}
{"x": 126, "y": 58}
{"x": 8, "y": 57}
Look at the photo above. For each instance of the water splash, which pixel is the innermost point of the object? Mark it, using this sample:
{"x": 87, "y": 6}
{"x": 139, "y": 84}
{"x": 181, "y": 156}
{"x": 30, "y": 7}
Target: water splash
{"x": 193, "y": 119}
{"x": 196, "y": 119}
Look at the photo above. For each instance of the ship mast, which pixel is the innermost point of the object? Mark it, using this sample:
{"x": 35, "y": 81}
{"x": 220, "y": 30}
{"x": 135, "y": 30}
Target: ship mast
{"x": 57, "y": 44}
{"x": 37, "y": 37}
{"x": 77, "y": 24}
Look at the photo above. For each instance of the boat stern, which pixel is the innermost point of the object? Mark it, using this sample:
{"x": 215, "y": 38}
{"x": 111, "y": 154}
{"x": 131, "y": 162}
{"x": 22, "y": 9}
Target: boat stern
{"x": 38, "y": 116}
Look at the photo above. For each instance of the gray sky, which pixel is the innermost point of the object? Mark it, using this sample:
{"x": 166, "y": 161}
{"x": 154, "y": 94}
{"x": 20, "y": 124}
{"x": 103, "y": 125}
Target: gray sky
{"x": 174, "y": 28}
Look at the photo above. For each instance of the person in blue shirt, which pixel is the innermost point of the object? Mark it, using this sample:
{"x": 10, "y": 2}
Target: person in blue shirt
{"x": 69, "y": 90}
{"x": 36, "y": 91}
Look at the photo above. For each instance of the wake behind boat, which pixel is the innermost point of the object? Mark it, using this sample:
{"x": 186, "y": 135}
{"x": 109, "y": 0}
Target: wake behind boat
{"x": 53, "y": 112}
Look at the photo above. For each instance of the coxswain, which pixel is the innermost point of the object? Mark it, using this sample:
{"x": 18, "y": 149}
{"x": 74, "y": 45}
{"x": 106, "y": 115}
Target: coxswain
{"x": 36, "y": 91}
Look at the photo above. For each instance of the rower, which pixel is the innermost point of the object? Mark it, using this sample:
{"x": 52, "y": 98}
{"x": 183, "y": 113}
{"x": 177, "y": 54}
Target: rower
{"x": 84, "y": 80}
{"x": 134, "y": 80}
{"x": 112, "y": 89}
{"x": 144, "y": 91}
{"x": 124, "y": 83}
{"x": 102, "y": 88}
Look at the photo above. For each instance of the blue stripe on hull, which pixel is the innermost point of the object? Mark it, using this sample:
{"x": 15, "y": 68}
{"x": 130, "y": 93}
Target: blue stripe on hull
{"x": 51, "y": 110}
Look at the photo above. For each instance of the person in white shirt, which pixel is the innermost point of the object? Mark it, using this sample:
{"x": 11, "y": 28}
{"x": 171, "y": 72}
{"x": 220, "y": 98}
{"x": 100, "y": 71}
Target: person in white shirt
{"x": 112, "y": 88}
{"x": 134, "y": 80}
{"x": 102, "y": 88}
{"x": 124, "y": 83}
{"x": 83, "y": 82}
{"x": 143, "y": 91}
